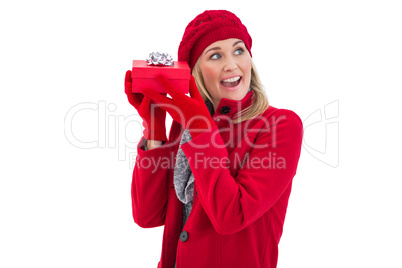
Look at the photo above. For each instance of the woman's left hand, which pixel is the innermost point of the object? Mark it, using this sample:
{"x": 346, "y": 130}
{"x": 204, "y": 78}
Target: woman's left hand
{"x": 191, "y": 113}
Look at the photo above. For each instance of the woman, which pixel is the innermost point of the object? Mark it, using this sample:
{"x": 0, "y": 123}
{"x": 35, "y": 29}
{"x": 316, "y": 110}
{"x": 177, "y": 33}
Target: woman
{"x": 220, "y": 184}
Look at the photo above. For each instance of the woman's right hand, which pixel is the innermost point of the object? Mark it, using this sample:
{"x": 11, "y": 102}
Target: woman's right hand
{"x": 152, "y": 115}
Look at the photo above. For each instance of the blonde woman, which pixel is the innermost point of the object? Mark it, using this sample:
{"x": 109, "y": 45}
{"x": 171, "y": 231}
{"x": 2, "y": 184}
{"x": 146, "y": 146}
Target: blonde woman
{"x": 220, "y": 184}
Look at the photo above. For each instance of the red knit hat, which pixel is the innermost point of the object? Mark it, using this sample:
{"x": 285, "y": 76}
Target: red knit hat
{"x": 207, "y": 28}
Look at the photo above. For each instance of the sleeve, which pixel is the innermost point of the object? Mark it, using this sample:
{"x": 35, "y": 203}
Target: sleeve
{"x": 149, "y": 185}
{"x": 231, "y": 203}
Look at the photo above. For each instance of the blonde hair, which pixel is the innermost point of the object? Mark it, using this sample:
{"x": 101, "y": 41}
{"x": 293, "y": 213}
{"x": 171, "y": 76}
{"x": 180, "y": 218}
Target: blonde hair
{"x": 259, "y": 99}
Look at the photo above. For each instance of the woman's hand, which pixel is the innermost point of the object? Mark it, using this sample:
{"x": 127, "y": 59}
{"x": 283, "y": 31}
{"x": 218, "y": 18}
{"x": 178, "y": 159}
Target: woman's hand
{"x": 153, "y": 116}
{"x": 191, "y": 113}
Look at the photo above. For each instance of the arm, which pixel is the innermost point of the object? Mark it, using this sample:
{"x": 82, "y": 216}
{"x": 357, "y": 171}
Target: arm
{"x": 149, "y": 185}
{"x": 151, "y": 144}
{"x": 231, "y": 203}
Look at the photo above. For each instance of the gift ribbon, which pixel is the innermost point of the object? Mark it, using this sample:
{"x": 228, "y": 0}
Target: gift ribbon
{"x": 160, "y": 59}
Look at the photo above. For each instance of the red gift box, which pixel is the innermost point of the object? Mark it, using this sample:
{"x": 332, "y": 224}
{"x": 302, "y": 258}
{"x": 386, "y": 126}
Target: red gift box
{"x": 144, "y": 76}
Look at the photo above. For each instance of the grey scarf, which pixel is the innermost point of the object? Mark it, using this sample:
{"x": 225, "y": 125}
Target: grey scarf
{"x": 183, "y": 177}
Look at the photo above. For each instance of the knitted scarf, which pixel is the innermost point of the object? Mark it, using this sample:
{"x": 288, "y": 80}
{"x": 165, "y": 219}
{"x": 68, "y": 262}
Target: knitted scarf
{"x": 183, "y": 177}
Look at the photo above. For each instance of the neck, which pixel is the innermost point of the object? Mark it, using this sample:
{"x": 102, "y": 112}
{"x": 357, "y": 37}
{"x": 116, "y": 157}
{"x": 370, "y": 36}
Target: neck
{"x": 215, "y": 104}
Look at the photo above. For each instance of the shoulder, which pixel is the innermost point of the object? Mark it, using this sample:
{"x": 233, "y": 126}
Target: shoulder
{"x": 281, "y": 121}
{"x": 275, "y": 113}
{"x": 276, "y": 126}
{"x": 274, "y": 116}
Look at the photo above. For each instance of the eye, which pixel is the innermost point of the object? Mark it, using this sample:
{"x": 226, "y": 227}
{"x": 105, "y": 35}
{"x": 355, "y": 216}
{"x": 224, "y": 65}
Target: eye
{"x": 215, "y": 56}
{"x": 239, "y": 51}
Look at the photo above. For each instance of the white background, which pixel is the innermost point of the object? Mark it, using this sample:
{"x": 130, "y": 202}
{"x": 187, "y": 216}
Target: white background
{"x": 62, "y": 205}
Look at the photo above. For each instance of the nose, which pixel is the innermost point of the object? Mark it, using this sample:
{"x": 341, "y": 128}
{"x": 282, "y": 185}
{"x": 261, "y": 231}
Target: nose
{"x": 230, "y": 64}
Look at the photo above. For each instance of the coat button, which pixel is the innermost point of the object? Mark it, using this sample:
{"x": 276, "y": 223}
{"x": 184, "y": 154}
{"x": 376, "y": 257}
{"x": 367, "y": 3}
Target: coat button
{"x": 225, "y": 110}
{"x": 183, "y": 236}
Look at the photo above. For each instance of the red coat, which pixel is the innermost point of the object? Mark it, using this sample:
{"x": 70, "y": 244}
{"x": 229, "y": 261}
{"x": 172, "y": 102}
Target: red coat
{"x": 243, "y": 177}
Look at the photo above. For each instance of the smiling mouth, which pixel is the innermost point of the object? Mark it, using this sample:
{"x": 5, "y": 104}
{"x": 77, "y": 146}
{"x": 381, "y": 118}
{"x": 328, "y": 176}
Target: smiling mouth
{"x": 231, "y": 82}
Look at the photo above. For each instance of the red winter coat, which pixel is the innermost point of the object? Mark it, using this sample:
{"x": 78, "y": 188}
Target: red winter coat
{"x": 243, "y": 178}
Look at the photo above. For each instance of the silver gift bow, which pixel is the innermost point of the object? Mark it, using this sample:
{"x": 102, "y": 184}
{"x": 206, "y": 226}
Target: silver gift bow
{"x": 160, "y": 59}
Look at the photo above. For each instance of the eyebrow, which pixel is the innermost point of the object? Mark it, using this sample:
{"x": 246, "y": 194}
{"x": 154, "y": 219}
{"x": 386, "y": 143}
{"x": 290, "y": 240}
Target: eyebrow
{"x": 216, "y": 48}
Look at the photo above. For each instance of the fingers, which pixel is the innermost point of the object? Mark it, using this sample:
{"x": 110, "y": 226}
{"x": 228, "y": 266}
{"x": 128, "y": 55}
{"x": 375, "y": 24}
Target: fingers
{"x": 127, "y": 79}
{"x": 128, "y": 76}
{"x": 145, "y": 103}
{"x": 128, "y": 85}
{"x": 194, "y": 92}
{"x": 157, "y": 97}
{"x": 170, "y": 88}
{"x": 135, "y": 99}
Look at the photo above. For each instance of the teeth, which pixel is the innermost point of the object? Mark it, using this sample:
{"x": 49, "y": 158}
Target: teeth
{"x": 233, "y": 79}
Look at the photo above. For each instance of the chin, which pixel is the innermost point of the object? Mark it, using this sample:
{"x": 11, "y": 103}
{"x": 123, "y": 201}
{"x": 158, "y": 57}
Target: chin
{"x": 237, "y": 97}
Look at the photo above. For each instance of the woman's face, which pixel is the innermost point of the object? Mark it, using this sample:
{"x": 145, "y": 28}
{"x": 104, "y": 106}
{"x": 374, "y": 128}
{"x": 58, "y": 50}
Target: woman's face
{"x": 226, "y": 70}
